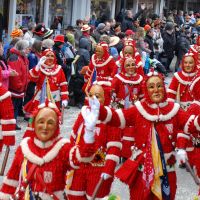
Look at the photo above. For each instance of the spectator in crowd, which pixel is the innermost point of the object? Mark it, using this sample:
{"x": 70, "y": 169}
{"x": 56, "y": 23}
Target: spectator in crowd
{"x": 179, "y": 20}
{"x": 127, "y": 23}
{"x": 129, "y": 34}
{"x": 29, "y": 34}
{"x": 48, "y": 34}
{"x": 18, "y": 61}
{"x": 107, "y": 28}
{"x": 39, "y": 32}
{"x": 182, "y": 45}
{"x": 169, "y": 44}
{"x": 117, "y": 28}
{"x": 16, "y": 33}
{"x": 100, "y": 30}
{"x": 112, "y": 25}
{"x": 47, "y": 44}
{"x": 70, "y": 35}
{"x": 149, "y": 40}
{"x": 33, "y": 57}
{"x": 78, "y": 32}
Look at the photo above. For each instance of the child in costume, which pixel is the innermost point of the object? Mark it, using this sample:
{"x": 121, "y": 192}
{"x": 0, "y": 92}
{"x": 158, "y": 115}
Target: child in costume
{"x": 48, "y": 71}
{"x": 40, "y": 164}
{"x": 103, "y": 65}
{"x": 126, "y": 90}
{"x": 150, "y": 172}
{"x": 86, "y": 177}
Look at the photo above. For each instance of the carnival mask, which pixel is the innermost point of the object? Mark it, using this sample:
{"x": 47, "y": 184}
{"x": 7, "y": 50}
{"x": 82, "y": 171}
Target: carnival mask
{"x": 50, "y": 58}
{"x": 188, "y": 64}
{"x": 130, "y": 66}
{"x": 97, "y": 90}
{"x": 155, "y": 89}
{"x": 99, "y": 52}
{"x": 128, "y": 51}
{"x": 45, "y": 124}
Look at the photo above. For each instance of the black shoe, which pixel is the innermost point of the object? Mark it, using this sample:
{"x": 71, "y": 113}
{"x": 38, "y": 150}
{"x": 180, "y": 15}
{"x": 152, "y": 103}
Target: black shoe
{"x": 17, "y": 128}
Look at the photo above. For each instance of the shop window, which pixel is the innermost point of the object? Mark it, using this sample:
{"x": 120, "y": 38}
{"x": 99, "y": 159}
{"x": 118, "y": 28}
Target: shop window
{"x": 25, "y": 13}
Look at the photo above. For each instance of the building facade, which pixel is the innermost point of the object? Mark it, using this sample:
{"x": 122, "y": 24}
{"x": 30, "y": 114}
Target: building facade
{"x": 19, "y": 12}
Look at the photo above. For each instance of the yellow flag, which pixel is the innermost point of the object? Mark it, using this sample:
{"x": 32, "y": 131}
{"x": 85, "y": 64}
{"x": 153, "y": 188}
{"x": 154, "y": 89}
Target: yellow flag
{"x": 157, "y": 163}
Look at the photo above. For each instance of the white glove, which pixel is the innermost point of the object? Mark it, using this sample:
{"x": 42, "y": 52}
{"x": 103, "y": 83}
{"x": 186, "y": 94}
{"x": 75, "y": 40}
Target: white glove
{"x": 64, "y": 103}
{"x": 105, "y": 176}
{"x": 181, "y": 156}
{"x": 41, "y": 62}
{"x": 94, "y": 105}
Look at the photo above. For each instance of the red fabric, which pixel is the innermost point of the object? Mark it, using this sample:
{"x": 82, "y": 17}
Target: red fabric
{"x": 18, "y": 84}
{"x": 184, "y": 92}
{"x": 57, "y": 82}
{"x": 6, "y": 114}
{"x": 88, "y": 176}
{"x": 56, "y": 167}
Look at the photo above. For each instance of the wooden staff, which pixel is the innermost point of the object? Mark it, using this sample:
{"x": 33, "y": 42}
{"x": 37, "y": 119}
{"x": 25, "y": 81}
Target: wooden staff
{"x": 62, "y": 114}
{"x": 196, "y": 180}
{"x": 98, "y": 186}
{"x": 5, "y": 161}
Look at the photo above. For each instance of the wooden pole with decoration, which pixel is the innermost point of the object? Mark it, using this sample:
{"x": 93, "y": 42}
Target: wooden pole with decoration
{"x": 5, "y": 161}
{"x": 89, "y": 84}
{"x": 98, "y": 186}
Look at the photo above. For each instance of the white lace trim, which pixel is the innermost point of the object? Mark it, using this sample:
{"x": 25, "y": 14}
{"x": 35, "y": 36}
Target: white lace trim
{"x": 102, "y": 64}
{"x": 45, "y": 159}
{"x": 181, "y": 80}
{"x": 50, "y": 73}
{"x": 160, "y": 117}
{"x": 129, "y": 81}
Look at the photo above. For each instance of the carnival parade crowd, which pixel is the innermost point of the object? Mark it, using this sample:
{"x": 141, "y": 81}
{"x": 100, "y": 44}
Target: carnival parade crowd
{"x": 114, "y": 70}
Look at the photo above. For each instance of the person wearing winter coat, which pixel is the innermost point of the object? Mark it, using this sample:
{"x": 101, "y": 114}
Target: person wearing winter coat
{"x": 169, "y": 43}
{"x": 18, "y": 61}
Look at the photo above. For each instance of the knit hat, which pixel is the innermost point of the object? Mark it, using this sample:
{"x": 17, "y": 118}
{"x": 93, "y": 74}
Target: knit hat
{"x": 16, "y": 33}
{"x": 147, "y": 28}
{"x": 40, "y": 30}
{"x": 101, "y": 26}
{"x": 59, "y": 38}
{"x": 169, "y": 26}
{"x": 85, "y": 27}
{"x": 129, "y": 32}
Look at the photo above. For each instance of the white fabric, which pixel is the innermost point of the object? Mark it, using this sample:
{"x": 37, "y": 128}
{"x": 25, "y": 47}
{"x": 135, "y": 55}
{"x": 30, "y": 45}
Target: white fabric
{"x": 105, "y": 176}
{"x": 64, "y": 103}
{"x": 181, "y": 156}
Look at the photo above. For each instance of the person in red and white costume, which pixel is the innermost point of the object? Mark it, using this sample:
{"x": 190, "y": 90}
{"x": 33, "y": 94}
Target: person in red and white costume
{"x": 49, "y": 70}
{"x": 195, "y": 49}
{"x": 108, "y": 145}
{"x": 130, "y": 50}
{"x": 105, "y": 68}
{"x": 158, "y": 130}
{"x": 179, "y": 87}
{"x": 7, "y": 120}
{"x": 192, "y": 111}
{"x": 126, "y": 90}
{"x": 40, "y": 164}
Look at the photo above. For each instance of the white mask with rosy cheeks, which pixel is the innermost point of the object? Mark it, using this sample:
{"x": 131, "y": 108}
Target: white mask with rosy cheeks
{"x": 188, "y": 64}
{"x": 130, "y": 66}
{"x": 45, "y": 124}
{"x": 50, "y": 58}
{"x": 97, "y": 90}
{"x": 156, "y": 89}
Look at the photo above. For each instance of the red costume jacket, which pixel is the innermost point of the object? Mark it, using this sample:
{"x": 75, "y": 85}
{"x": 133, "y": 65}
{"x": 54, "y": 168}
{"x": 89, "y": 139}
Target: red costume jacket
{"x": 106, "y": 158}
{"x": 126, "y": 90}
{"x": 166, "y": 119}
{"x": 105, "y": 70}
{"x": 57, "y": 83}
{"x": 7, "y": 134}
{"x": 138, "y": 61}
{"x": 194, "y": 49}
{"x": 51, "y": 161}
{"x": 179, "y": 88}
